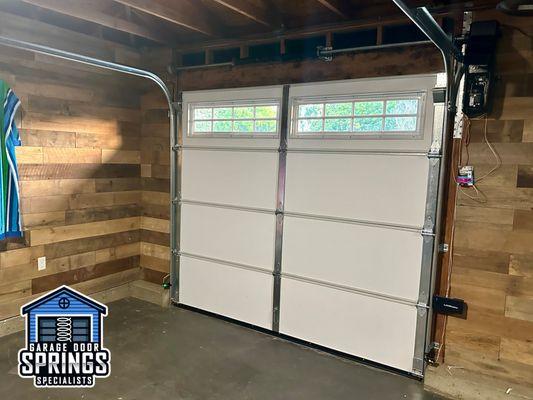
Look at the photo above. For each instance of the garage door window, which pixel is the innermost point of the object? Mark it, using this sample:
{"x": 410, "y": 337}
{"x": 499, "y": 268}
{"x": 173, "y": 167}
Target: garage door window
{"x": 234, "y": 119}
{"x": 357, "y": 117}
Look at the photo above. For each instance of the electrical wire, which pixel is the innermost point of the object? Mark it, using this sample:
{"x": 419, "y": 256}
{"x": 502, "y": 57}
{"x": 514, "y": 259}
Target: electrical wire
{"x": 479, "y": 196}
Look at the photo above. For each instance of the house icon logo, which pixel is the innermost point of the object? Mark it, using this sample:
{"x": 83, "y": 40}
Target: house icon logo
{"x": 64, "y": 340}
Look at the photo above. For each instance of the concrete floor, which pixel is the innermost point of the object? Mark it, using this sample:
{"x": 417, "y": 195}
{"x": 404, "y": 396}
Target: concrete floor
{"x": 178, "y": 354}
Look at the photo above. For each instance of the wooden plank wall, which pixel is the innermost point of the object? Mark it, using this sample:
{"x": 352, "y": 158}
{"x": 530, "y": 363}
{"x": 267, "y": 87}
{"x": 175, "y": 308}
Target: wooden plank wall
{"x": 155, "y": 173}
{"x": 493, "y": 247}
{"x": 79, "y": 167}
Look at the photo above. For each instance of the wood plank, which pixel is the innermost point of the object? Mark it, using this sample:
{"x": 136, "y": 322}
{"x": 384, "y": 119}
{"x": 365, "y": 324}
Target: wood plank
{"x": 118, "y": 185}
{"x": 83, "y": 245}
{"x": 58, "y": 234}
{"x": 108, "y": 281}
{"x": 55, "y": 187}
{"x": 155, "y": 224}
{"x": 523, "y": 220}
{"x": 525, "y": 176}
{"x": 156, "y": 264}
{"x": 251, "y": 11}
{"x": 155, "y": 250}
{"x": 153, "y": 276}
{"x": 29, "y": 155}
{"x": 47, "y": 138}
{"x": 55, "y": 155}
{"x": 492, "y": 261}
{"x": 39, "y": 220}
{"x": 470, "y": 236}
{"x": 77, "y": 171}
{"x": 337, "y": 6}
{"x": 162, "y": 239}
{"x": 88, "y": 12}
{"x": 26, "y": 255}
{"x": 45, "y": 204}
{"x": 492, "y": 300}
{"x": 73, "y": 217}
{"x": 51, "y": 282}
{"x": 118, "y": 252}
{"x": 510, "y": 284}
{"x": 517, "y": 350}
{"x": 184, "y": 13}
{"x": 519, "y": 308}
{"x": 121, "y": 156}
{"x": 521, "y": 265}
{"x": 15, "y": 290}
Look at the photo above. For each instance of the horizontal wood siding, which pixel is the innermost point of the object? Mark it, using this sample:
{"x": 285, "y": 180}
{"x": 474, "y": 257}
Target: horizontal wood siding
{"x": 79, "y": 166}
{"x": 493, "y": 247}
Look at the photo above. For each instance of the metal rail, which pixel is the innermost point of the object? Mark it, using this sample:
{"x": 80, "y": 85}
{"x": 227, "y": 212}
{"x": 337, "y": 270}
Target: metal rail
{"x": 427, "y": 24}
{"x": 174, "y": 121}
{"x": 326, "y": 53}
{"x": 453, "y": 58}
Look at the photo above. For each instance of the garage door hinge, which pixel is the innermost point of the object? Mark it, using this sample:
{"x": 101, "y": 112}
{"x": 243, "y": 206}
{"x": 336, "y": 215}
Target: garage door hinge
{"x": 177, "y": 147}
{"x": 175, "y": 252}
{"x": 427, "y": 232}
{"x": 434, "y": 153}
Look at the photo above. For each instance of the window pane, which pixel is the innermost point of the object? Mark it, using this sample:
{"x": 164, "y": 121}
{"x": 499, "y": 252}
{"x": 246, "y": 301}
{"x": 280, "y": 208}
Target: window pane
{"x": 265, "y": 126}
{"x": 338, "y": 109}
{"x": 367, "y": 124}
{"x": 310, "y": 125}
{"x": 243, "y": 112}
{"x": 243, "y": 126}
{"x": 222, "y": 126}
{"x": 266, "y": 111}
{"x": 368, "y": 108}
{"x": 311, "y": 110}
{"x": 223, "y": 113}
{"x": 400, "y": 124}
{"x": 202, "y": 126}
{"x": 203, "y": 113}
{"x": 338, "y": 125}
{"x": 409, "y": 106}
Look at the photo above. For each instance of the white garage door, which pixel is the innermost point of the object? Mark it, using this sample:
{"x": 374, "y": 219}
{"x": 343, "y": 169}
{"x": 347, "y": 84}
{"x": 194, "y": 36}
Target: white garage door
{"x": 309, "y": 211}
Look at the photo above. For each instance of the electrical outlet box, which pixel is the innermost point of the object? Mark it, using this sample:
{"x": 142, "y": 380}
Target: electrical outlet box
{"x": 41, "y": 263}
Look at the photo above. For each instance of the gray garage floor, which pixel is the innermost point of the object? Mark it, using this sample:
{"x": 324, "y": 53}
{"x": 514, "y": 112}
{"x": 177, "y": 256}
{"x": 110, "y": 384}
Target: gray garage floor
{"x": 180, "y": 354}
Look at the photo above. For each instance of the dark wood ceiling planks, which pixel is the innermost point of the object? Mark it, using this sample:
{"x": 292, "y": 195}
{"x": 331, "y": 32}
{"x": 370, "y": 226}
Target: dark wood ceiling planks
{"x": 189, "y": 23}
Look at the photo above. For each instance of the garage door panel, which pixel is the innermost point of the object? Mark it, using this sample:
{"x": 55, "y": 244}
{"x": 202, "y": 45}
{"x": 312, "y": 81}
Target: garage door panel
{"x": 240, "y": 178}
{"x": 237, "y": 293}
{"x": 367, "y": 327}
{"x": 385, "y": 189}
{"x": 376, "y": 259}
{"x": 244, "y": 237}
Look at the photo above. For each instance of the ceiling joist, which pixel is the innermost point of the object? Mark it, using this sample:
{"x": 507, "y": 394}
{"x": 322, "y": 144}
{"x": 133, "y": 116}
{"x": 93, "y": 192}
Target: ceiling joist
{"x": 87, "y": 12}
{"x": 337, "y": 6}
{"x": 183, "y": 13}
{"x": 250, "y": 11}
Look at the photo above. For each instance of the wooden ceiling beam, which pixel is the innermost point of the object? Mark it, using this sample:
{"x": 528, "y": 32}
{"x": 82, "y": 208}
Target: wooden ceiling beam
{"x": 337, "y": 6}
{"x": 83, "y": 10}
{"x": 250, "y": 11}
{"x": 183, "y": 13}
